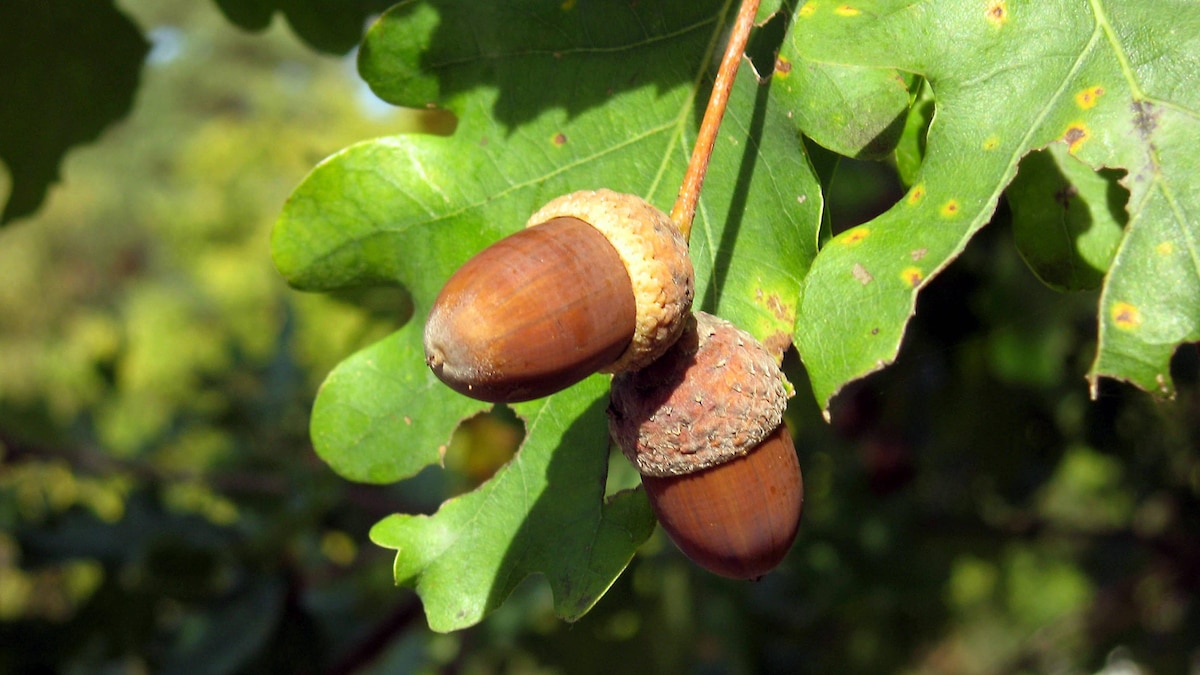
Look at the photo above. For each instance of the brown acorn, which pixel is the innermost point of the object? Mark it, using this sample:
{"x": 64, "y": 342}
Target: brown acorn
{"x": 599, "y": 281}
{"x": 704, "y": 427}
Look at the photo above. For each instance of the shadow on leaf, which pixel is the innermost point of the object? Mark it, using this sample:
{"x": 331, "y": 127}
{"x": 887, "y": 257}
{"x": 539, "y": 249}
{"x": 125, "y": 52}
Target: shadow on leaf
{"x": 536, "y": 55}
{"x": 575, "y": 537}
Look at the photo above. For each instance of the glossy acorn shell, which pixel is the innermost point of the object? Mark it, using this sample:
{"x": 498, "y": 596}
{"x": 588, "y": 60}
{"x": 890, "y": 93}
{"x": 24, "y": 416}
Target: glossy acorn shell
{"x": 736, "y": 519}
{"x": 532, "y": 314}
{"x": 656, "y": 257}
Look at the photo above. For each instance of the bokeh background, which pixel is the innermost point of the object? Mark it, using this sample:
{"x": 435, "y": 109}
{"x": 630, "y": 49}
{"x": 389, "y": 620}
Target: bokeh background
{"x": 969, "y": 510}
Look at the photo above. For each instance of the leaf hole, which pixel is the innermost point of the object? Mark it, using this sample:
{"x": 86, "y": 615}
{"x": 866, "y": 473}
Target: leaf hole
{"x": 621, "y": 474}
{"x": 481, "y": 445}
{"x": 763, "y": 48}
{"x": 859, "y": 191}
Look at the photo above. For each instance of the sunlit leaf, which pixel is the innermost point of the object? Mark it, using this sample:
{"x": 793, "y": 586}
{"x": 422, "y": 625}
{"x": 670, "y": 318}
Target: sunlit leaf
{"x": 910, "y": 148}
{"x": 544, "y": 512}
{"x": 596, "y": 96}
{"x": 1112, "y": 81}
{"x": 852, "y": 110}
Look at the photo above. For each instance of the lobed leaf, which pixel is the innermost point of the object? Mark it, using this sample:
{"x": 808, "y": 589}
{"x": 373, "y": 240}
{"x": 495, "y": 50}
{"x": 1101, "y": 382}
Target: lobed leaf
{"x": 543, "y": 512}
{"x": 601, "y": 96}
{"x": 1112, "y": 81}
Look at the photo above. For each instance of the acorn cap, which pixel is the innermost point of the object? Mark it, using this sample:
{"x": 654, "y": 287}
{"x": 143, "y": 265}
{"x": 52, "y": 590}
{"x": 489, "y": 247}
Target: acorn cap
{"x": 714, "y": 396}
{"x": 655, "y": 255}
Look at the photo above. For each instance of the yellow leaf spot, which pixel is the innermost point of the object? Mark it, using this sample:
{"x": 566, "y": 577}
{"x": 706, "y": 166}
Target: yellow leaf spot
{"x": 855, "y": 235}
{"x": 808, "y": 9}
{"x": 950, "y": 209}
{"x": 783, "y": 67}
{"x": 997, "y": 13}
{"x": 1165, "y": 248}
{"x": 991, "y": 143}
{"x": 1126, "y": 316}
{"x": 916, "y": 194}
{"x": 846, "y": 10}
{"x": 912, "y": 276}
{"x": 1075, "y": 135}
{"x": 568, "y": 5}
{"x": 560, "y": 139}
{"x": 1088, "y": 97}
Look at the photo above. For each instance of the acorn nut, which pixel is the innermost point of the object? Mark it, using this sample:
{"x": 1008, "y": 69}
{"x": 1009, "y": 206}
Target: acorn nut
{"x": 598, "y": 280}
{"x": 704, "y": 427}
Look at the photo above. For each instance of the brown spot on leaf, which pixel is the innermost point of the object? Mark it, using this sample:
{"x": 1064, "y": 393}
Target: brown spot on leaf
{"x": 997, "y": 13}
{"x": 1126, "y": 316}
{"x": 1075, "y": 135}
{"x": 560, "y": 139}
{"x": 777, "y": 343}
{"x": 919, "y": 253}
{"x": 780, "y": 309}
{"x": 1145, "y": 118}
{"x": 783, "y": 67}
{"x": 855, "y": 235}
{"x": 916, "y": 194}
{"x": 864, "y": 277}
{"x": 1088, "y": 97}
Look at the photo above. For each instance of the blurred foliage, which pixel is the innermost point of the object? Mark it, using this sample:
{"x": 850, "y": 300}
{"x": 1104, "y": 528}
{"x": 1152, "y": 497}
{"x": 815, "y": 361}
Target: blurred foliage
{"x": 59, "y": 92}
{"x": 969, "y": 510}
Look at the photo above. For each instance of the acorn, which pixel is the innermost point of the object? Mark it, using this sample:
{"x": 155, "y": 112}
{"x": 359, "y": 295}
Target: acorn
{"x": 704, "y": 427}
{"x": 598, "y": 281}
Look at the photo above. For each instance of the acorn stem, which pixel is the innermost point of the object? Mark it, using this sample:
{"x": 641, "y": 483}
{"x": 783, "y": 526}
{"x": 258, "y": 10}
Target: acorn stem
{"x": 684, "y": 210}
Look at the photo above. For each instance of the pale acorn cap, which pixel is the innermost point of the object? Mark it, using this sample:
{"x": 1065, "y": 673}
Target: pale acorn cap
{"x": 713, "y": 397}
{"x": 655, "y": 256}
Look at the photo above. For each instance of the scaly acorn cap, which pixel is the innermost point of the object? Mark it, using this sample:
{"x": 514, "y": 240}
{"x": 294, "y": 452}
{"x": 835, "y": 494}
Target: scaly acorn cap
{"x": 713, "y": 397}
{"x": 655, "y": 255}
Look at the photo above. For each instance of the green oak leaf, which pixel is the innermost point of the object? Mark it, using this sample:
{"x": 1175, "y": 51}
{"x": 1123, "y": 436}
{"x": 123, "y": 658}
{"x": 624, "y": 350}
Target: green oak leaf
{"x": 758, "y": 222}
{"x": 70, "y": 70}
{"x": 1114, "y": 81}
{"x": 910, "y": 149}
{"x": 543, "y": 512}
{"x": 1150, "y": 302}
{"x": 853, "y": 110}
{"x": 587, "y": 103}
{"x": 380, "y": 415}
{"x": 1067, "y": 218}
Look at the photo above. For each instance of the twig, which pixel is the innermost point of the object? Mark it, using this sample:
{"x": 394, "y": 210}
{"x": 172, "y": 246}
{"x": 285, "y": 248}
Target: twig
{"x": 684, "y": 210}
